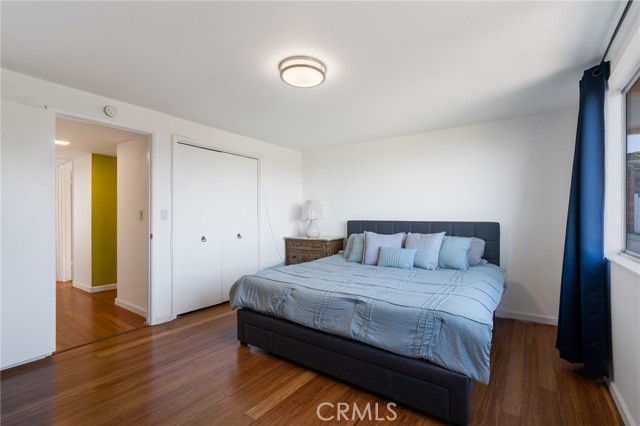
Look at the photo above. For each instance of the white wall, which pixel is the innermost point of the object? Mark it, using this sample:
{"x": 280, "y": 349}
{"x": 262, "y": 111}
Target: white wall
{"x": 516, "y": 172}
{"x": 281, "y": 171}
{"x": 82, "y": 269}
{"x": 625, "y": 338}
{"x": 28, "y": 234}
{"x": 133, "y": 233}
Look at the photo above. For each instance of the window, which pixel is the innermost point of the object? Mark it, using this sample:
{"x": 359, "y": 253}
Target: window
{"x": 632, "y": 100}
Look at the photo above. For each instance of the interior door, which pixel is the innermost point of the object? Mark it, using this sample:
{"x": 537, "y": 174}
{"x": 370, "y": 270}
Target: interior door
{"x": 197, "y": 256}
{"x": 240, "y": 219}
{"x": 28, "y": 302}
{"x": 133, "y": 224}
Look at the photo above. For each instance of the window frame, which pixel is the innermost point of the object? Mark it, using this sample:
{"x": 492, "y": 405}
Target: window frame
{"x": 634, "y": 79}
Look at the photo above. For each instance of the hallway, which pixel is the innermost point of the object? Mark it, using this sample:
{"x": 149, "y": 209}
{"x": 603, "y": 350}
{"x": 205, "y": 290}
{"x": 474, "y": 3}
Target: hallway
{"x": 83, "y": 317}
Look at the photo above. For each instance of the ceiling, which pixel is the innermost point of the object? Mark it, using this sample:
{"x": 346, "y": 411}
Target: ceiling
{"x": 89, "y": 138}
{"x": 393, "y": 68}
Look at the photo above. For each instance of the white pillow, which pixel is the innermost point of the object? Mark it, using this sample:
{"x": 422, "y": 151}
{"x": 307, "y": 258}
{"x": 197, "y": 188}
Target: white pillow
{"x": 373, "y": 242}
{"x": 476, "y": 251}
{"x": 428, "y": 246}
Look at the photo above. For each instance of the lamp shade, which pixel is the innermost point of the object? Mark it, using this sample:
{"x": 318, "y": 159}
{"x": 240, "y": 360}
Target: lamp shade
{"x": 312, "y": 210}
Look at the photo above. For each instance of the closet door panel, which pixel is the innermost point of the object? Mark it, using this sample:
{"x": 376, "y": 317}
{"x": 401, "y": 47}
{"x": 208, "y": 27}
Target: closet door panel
{"x": 215, "y": 224}
{"x": 240, "y": 218}
{"x": 196, "y": 239}
{"x": 210, "y": 282}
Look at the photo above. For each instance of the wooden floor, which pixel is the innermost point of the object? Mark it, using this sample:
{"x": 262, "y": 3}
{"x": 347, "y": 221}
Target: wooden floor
{"x": 83, "y": 317}
{"x": 192, "y": 371}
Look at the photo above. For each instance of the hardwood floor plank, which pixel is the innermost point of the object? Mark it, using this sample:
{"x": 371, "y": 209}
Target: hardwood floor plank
{"x": 83, "y": 317}
{"x": 308, "y": 409}
{"x": 507, "y": 419}
{"x": 486, "y": 400}
{"x": 280, "y": 394}
{"x": 546, "y": 338}
{"x": 530, "y": 383}
{"x": 513, "y": 397}
{"x": 539, "y": 406}
{"x": 582, "y": 400}
{"x": 192, "y": 371}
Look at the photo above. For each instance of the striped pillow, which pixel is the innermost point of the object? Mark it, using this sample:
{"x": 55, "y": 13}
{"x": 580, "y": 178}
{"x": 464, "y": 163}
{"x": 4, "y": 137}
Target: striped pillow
{"x": 396, "y": 257}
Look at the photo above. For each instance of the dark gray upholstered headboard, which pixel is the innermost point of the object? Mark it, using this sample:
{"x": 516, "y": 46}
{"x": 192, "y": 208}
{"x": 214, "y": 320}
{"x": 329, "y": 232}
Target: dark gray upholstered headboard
{"x": 488, "y": 231}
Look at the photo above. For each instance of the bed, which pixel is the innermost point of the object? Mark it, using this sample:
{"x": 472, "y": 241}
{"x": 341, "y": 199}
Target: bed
{"x": 405, "y": 372}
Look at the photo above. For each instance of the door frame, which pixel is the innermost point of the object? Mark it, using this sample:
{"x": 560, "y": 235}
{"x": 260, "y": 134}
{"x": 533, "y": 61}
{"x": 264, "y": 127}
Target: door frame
{"x": 153, "y": 138}
{"x": 66, "y": 260}
{"x": 214, "y": 146}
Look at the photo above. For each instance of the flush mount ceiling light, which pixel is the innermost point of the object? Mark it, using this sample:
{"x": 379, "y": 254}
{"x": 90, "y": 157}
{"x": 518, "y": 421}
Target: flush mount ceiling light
{"x": 302, "y": 71}
{"x": 64, "y": 143}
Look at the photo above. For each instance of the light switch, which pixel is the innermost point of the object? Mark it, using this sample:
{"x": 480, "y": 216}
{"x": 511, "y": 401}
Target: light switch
{"x": 164, "y": 214}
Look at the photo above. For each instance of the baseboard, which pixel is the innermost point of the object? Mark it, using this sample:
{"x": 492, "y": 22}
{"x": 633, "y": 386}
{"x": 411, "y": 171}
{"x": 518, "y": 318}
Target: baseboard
{"x": 162, "y": 320}
{"x": 27, "y": 361}
{"x": 131, "y": 307}
{"x": 96, "y": 289}
{"x": 622, "y": 406}
{"x": 521, "y": 316}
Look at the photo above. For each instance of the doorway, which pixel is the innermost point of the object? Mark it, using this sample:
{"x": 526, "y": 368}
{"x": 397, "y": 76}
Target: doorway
{"x": 102, "y": 231}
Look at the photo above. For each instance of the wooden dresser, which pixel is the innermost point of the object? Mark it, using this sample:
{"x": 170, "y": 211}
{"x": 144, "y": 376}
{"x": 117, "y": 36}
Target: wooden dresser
{"x": 304, "y": 249}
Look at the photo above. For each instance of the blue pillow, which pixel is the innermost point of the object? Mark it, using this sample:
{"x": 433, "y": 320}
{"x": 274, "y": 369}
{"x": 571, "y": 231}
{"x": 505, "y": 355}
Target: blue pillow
{"x": 395, "y": 257}
{"x": 357, "y": 248}
{"x": 348, "y": 247}
{"x": 428, "y": 246}
{"x": 373, "y": 242}
{"x": 453, "y": 253}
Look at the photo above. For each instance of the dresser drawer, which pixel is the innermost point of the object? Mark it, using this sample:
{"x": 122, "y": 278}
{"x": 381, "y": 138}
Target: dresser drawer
{"x": 300, "y": 250}
{"x": 306, "y": 244}
{"x": 300, "y": 256}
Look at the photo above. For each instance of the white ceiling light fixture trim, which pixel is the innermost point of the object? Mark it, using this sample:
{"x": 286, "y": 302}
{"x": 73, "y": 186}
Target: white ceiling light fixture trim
{"x": 302, "y": 71}
{"x": 64, "y": 143}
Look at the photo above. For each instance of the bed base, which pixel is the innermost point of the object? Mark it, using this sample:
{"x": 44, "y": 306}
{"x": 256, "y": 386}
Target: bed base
{"x": 412, "y": 382}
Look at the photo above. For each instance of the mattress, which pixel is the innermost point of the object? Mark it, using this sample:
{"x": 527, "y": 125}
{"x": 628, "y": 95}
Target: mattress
{"x": 443, "y": 316}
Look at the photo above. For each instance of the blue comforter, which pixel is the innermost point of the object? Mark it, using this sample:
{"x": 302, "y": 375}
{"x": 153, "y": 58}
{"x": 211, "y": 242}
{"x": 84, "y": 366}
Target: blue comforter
{"x": 443, "y": 316}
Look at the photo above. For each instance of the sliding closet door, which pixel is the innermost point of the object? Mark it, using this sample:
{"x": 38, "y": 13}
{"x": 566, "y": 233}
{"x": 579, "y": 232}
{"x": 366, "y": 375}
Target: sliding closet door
{"x": 215, "y": 231}
{"x": 240, "y": 218}
{"x": 196, "y": 233}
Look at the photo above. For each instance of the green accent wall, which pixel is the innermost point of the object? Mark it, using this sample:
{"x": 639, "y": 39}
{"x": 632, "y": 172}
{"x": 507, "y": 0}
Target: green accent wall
{"x": 104, "y": 220}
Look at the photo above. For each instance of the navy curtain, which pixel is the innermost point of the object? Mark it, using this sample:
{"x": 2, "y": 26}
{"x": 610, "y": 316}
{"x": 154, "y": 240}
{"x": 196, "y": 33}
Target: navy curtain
{"x": 583, "y": 318}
